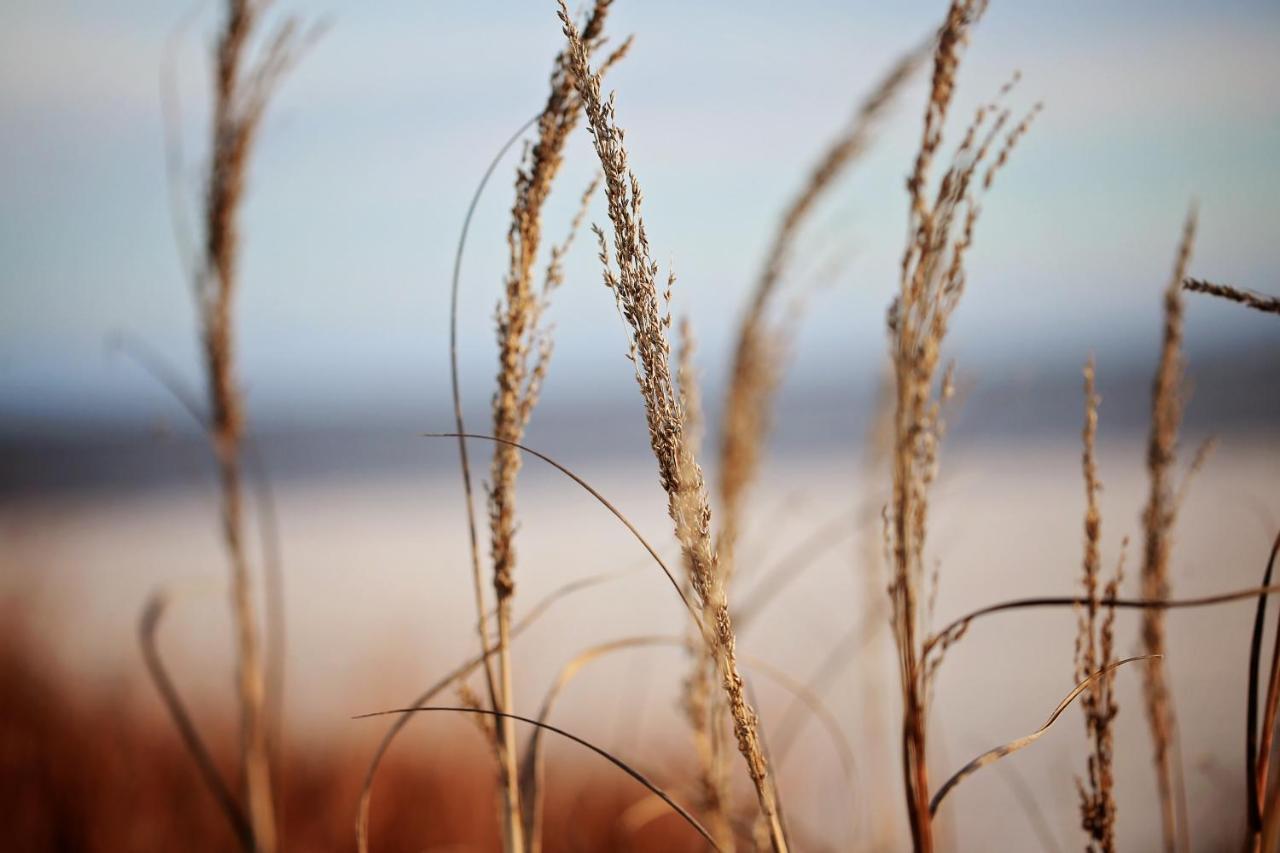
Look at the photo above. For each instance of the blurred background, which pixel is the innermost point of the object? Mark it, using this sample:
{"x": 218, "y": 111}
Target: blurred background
{"x": 363, "y": 173}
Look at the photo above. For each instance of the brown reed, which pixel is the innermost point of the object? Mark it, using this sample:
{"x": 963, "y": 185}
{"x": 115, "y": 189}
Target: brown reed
{"x": 523, "y": 354}
{"x": 1095, "y": 651}
{"x": 932, "y": 281}
{"x": 636, "y": 292}
{"x": 1158, "y": 519}
{"x": 242, "y": 89}
{"x": 1248, "y": 298}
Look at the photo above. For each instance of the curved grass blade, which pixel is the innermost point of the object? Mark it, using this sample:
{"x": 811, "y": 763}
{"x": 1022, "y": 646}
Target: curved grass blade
{"x": 531, "y": 769}
{"x": 532, "y": 764}
{"x": 993, "y": 755}
{"x": 1256, "y": 757}
{"x": 460, "y": 427}
{"x": 159, "y": 369}
{"x": 612, "y": 759}
{"x": 957, "y": 627}
{"x": 461, "y": 671}
{"x": 599, "y": 497}
{"x": 148, "y": 626}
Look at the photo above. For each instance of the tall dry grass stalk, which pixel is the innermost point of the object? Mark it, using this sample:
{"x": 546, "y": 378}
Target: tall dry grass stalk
{"x": 523, "y": 354}
{"x": 760, "y": 350}
{"x": 1157, "y": 525}
{"x": 941, "y": 228}
{"x": 703, "y": 706}
{"x": 758, "y": 361}
{"x": 1094, "y": 652}
{"x": 242, "y": 89}
{"x": 635, "y": 288}
{"x": 1247, "y": 298}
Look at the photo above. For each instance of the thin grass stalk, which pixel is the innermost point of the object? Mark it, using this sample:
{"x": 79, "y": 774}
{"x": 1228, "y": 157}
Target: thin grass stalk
{"x": 702, "y": 704}
{"x": 761, "y": 346}
{"x": 1258, "y": 743}
{"x": 523, "y": 354}
{"x": 932, "y": 280}
{"x": 635, "y": 289}
{"x": 1094, "y": 652}
{"x": 756, "y": 372}
{"x": 242, "y": 89}
{"x": 1158, "y": 519}
{"x": 148, "y": 627}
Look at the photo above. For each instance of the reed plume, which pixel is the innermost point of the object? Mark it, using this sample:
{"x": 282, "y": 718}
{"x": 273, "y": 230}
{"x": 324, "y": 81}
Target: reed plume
{"x": 1157, "y": 525}
{"x": 1247, "y": 298}
{"x": 243, "y": 86}
{"x": 1095, "y": 651}
{"x": 524, "y": 351}
{"x": 635, "y": 289}
{"x": 941, "y": 229}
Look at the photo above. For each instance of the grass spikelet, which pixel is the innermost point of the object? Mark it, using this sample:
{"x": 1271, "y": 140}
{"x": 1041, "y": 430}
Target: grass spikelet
{"x": 1158, "y": 519}
{"x": 1094, "y": 652}
{"x": 635, "y": 289}
{"x": 1248, "y": 298}
{"x": 703, "y": 706}
{"x": 523, "y": 354}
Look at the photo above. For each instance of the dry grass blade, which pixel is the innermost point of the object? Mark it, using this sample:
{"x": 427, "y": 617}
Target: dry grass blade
{"x": 1256, "y": 757}
{"x": 626, "y": 522}
{"x": 801, "y": 693}
{"x": 957, "y": 628}
{"x": 531, "y": 770}
{"x": 993, "y": 755}
{"x": 148, "y": 626}
{"x": 612, "y": 759}
{"x": 1248, "y": 298}
{"x": 165, "y": 375}
{"x": 1158, "y": 519}
{"x": 452, "y": 677}
{"x": 459, "y": 425}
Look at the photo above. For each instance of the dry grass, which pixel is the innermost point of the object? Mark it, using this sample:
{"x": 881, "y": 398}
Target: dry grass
{"x": 1095, "y": 651}
{"x": 760, "y": 352}
{"x": 932, "y": 281}
{"x": 634, "y": 286}
{"x": 1247, "y": 298}
{"x": 703, "y": 705}
{"x": 72, "y": 753}
{"x": 1157, "y": 523}
{"x": 524, "y": 350}
{"x": 242, "y": 90}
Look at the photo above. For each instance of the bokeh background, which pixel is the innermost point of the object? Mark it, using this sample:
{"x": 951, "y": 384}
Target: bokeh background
{"x": 362, "y": 176}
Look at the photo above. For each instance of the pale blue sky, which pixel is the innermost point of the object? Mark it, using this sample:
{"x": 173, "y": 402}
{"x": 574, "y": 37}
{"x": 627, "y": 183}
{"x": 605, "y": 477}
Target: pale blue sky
{"x": 376, "y": 142}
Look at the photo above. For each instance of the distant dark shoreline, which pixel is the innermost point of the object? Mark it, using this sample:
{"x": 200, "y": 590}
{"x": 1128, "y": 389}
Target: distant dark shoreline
{"x": 1228, "y": 398}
